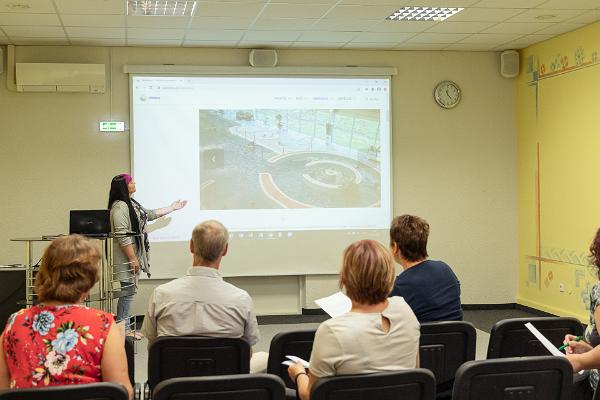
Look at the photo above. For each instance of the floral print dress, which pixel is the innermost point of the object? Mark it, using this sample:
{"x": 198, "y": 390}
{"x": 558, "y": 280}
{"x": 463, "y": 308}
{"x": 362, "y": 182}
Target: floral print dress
{"x": 55, "y": 345}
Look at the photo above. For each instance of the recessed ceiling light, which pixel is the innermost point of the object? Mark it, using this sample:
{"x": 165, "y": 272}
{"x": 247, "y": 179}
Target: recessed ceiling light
{"x": 166, "y": 8}
{"x": 546, "y": 16}
{"x": 423, "y": 14}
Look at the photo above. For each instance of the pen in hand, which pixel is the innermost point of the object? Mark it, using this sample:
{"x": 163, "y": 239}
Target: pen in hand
{"x": 576, "y": 339}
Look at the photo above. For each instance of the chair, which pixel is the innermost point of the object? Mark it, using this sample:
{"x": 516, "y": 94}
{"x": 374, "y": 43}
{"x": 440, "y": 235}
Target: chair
{"x": 185, "y": 356}
{"x": 519, "y": 378}
{"x": 510, "y": 337}
{"x": 412, "y": 384}
{"x": 95, "y": 391}
{"x": 295, "y": 343}
{"x": 443, "y": 348}
{"x": 239, "y": 387}
{"x": 130, "y": 353}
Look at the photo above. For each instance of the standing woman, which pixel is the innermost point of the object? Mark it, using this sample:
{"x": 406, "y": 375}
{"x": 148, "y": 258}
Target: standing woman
{"x": 130, "y": 253}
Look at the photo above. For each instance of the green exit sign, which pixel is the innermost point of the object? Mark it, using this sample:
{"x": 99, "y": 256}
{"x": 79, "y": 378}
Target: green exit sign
{"x": 112, "y": 126}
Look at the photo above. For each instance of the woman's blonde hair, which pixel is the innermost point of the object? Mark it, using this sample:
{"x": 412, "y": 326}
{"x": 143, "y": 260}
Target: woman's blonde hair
{"x": 69, "y": 269}
{"x": 367, "y": 273}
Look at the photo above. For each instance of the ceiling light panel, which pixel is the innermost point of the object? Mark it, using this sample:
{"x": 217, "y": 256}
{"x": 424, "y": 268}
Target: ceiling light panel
{"x": 424, "y": 13}
{"x": 167, "y": 8}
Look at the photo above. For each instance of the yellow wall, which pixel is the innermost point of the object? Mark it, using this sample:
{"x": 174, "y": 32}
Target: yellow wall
{"x": 563, "y": 119}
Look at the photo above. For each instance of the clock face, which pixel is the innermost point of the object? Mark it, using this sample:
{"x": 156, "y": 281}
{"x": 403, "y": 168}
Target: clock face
{"x": 447, "y": 94}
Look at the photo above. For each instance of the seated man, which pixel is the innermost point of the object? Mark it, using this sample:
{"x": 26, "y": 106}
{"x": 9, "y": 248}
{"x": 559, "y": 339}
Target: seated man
{"x": 202, "y": 303}
{"x": 429, "y": 287}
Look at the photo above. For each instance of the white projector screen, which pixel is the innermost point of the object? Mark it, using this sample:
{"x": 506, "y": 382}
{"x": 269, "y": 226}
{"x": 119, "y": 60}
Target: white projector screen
{"x": 296, "y": 168}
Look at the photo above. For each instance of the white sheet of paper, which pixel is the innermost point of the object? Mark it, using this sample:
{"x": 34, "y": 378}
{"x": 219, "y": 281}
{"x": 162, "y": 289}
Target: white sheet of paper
{"x": 551, "y": 348}
{"x": 336, "y": 304}
{"x": 294, "y": 360}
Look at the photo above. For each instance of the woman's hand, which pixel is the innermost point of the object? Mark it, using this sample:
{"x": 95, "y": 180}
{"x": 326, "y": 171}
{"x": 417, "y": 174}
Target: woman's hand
{"x": 178, "y": 204}
{"x": 575, "y": 361}
{"x": 575, "y": 347}
{"x": 135, "y": 265}
{"x": 294, "y": 370}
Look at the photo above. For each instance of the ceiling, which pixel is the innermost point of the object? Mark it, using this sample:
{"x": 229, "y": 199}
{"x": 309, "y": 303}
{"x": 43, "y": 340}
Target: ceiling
{"x": 332, "y": 24}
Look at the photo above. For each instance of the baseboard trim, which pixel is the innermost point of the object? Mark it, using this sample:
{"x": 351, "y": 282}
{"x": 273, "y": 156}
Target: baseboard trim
{"x": 313, "y": 311}
{"x": 499, "y": 306}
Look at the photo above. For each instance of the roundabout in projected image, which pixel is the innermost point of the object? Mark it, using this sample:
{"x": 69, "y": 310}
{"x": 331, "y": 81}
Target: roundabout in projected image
{"x": 262, "y": 159}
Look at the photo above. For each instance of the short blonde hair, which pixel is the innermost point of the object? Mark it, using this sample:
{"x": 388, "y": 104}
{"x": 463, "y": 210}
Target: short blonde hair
{"x": 70, "y": 268}
{"x": 367, "y": 273}
{"x": 209, "y": 239}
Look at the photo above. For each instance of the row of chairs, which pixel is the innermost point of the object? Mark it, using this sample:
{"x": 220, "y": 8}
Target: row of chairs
{"x": 521, "y": 378}
{"x": 444, "y": 348}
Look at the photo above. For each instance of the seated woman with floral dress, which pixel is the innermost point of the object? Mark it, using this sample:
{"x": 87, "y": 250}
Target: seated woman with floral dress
{"x": 59, "y": 341}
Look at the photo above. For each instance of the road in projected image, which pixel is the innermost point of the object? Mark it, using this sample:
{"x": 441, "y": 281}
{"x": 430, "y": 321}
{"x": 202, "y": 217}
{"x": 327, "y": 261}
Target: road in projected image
{"x": 289, "y": 158}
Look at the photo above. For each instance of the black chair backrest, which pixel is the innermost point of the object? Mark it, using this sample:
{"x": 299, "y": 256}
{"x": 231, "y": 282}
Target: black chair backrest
{"x": 519, "y": 378}
{"x": 239, "y": 387}
{"x": 445, "y": 346}
{"x": 510, "y": 337}
{"x": 95, "y": 391}
{"x": 183, "y": 356}
{"x": 130, "y": 353}
{"x": 412, "y": 384}
{"x": 293, "y": 343}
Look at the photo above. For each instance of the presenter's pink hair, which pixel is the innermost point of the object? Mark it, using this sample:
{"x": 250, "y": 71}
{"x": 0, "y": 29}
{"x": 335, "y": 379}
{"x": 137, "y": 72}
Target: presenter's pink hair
{"x": 127, "y": 178}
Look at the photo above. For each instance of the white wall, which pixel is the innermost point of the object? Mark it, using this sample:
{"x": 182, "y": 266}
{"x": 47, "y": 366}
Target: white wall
{"x": 456, "y": 168}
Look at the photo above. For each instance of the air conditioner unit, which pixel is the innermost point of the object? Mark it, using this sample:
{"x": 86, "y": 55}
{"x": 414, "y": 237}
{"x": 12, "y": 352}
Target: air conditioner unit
{"x": 50, "y": 77}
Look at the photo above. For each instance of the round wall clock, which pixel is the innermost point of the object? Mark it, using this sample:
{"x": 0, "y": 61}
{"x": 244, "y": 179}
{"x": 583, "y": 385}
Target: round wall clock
{"x": 447, "y": 94}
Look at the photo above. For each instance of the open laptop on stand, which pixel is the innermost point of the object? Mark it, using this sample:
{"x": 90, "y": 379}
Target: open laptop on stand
{"x": 92, "y": 223}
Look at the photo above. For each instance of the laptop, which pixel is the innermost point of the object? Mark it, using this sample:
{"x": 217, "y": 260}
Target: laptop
{"x": 90, "y": 222}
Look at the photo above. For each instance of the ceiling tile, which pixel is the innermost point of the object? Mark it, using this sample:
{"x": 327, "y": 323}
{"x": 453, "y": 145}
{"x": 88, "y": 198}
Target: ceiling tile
{"x": 323, "y": 36}
{"x": 371, "y": 46}
{"x": 101, "y": 33}
{"x": 485, "y": 14}
{"x": 421, "y": 46}
{"x": 247, "y": 9}
{"x": 251, "y": 44}
{"x": 469, "y": 47}
{"x": 403, "y": 26}
{"x": 348, "y": 25}
{"x": 437, "y": 37}
{"x": 361, "y": 12}
{"x": 109, "y": 21}
{"x": 146, "y": 33}
{"x": 29, "y": 19}
{"x": 37, "y": 6}
{"x": 154, "y": 42}
{"x": 263, "y": 24}
{"x": 572, "y": 4}
{"x": 524, "y": 28}
{"x": 317, "y": 45}
{"x": 97, "y": 42}
{"x": 460, "y": 27}
{"x": 90, "y": 6}
{"x": 329, "y": 2}
{"x": 157, "y": 22}
{"x": 210, "y": 43}
{"x": 530, "y": 39}
{"x": 222, "y": 35}
{"x": 586, "y": 18}
{"x": 269, "y": 36}
{"x": 559, "y": 29}
{"x": 441, "y": 3}
{"x": 397, "y": 3}
{"x": 220, "y": 23}
{"x": 508, "y": 3}
{"x": 492, "y": 39}
{"x": 376, "y": 37}
{"x": 34, "y": 31}
{"x": 531, "y": 15}
{"x": 283, "y": 10}
{"x": 39, "y": 41}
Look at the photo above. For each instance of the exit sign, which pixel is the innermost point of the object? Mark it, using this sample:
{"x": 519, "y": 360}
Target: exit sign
{"x": 112, "y": 126}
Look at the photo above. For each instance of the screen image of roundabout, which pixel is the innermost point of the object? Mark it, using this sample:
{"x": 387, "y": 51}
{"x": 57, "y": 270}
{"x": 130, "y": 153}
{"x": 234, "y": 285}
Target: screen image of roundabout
{"x": 289, "y": 158}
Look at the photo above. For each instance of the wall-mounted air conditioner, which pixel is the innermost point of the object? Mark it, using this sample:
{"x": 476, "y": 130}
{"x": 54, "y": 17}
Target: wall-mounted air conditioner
{"x": 50, "y": 77}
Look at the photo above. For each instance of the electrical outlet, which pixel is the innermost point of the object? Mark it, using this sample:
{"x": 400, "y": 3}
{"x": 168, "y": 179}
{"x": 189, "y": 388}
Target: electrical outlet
{"x": 561, "y": 287}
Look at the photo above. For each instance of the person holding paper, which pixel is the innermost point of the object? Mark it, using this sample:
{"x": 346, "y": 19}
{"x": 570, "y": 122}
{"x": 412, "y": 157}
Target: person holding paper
{"x": 429, "y": 287}
{"x": 378, "y": 334}
{"x": 202, "y": 303}
{"x": 577, "y": 351}
{"x": 59, "y": 341}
